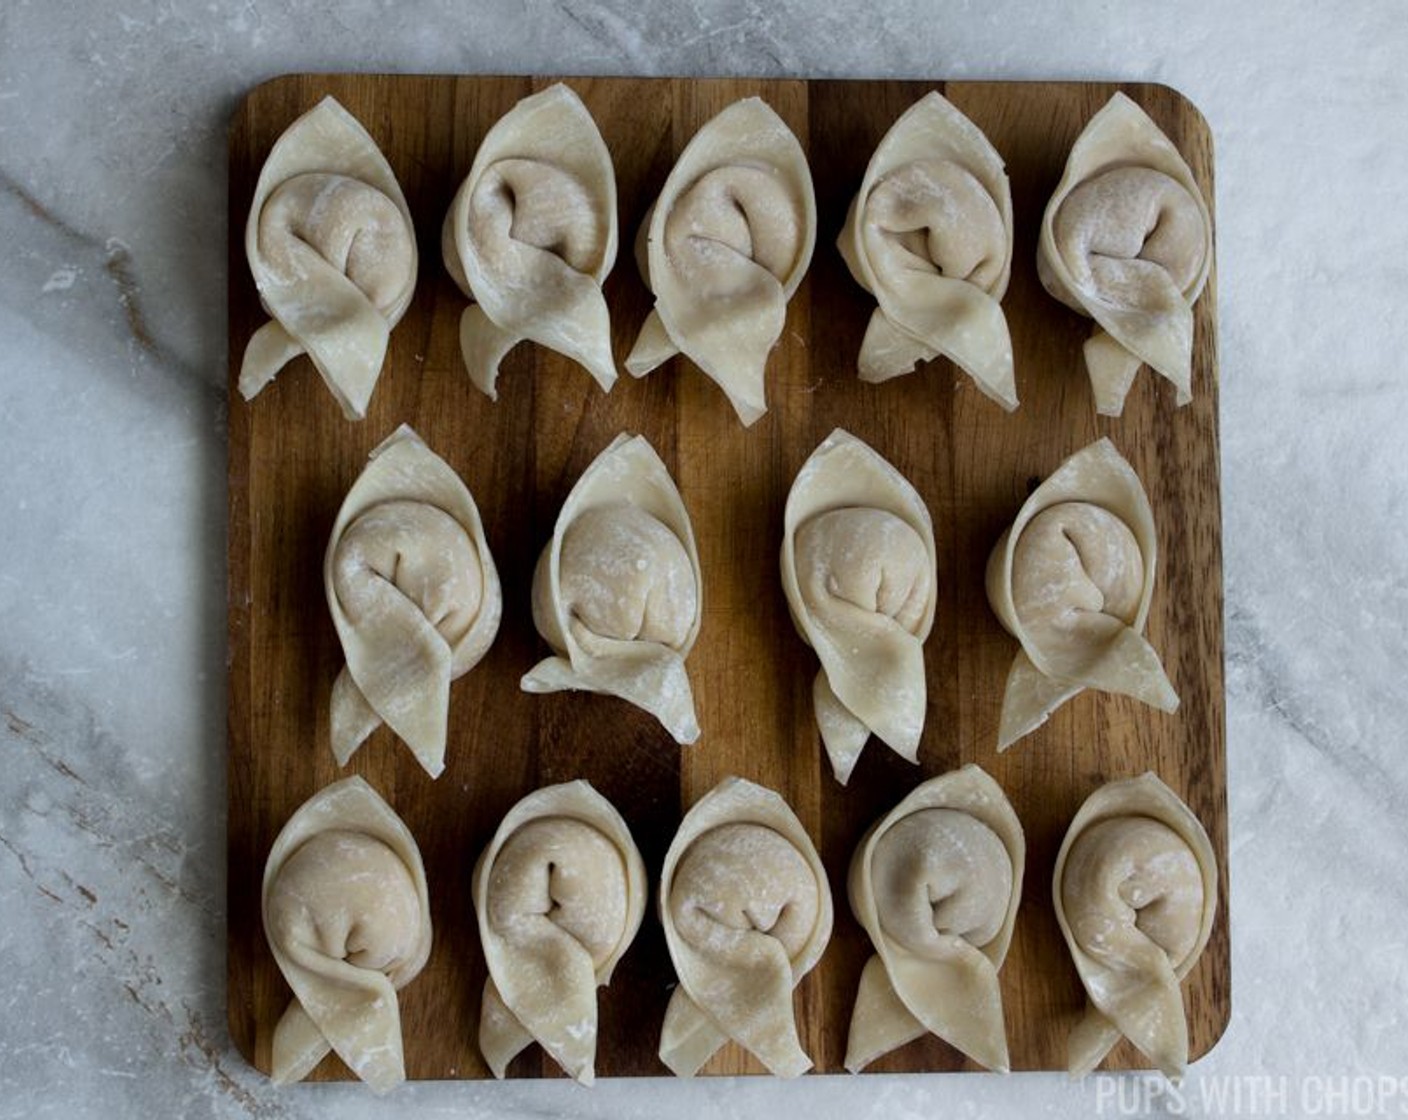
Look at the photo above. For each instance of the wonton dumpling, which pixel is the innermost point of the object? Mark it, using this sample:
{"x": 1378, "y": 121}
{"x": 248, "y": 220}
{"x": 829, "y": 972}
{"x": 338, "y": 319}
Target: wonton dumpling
{"x": 414, "y": 596}
{"x": 858, "y": 568}
{"x": 333, "y": 253}
{"x": 560, "y": 893}
{"x": 530, "y": 237}
{"x": 747, "y": 913}
{"x": 936, "y": 883}
{"x": 930, "y": 236}
{"x": 1127, "y": 240}
{"x": 347, "y": 916}
{"x": 1136, "y": 894}
{"x": 724, "y": 248}
{"x": 617, "y": 591}
{"x": 1072, "y": 580}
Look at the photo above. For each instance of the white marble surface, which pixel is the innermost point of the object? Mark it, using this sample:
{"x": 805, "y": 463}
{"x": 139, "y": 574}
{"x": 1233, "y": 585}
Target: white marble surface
{"x": 112, "y": 508}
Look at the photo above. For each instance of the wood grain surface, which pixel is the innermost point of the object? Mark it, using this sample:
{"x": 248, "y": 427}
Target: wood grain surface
{"x": 293, "y": 457}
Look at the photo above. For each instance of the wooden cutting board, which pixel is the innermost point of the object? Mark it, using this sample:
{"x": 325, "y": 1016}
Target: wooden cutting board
{"x": 293, "y": 456}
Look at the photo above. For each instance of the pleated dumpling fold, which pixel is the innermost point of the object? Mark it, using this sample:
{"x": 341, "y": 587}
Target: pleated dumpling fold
{"x": 347, "y": 916}
{"x": 747, "y": 913}
{"x": 936, "y": 883}
{"x": 1127, "y": 240}
{"x": 1136, "y": 895}
{"x": 1072, "y": 580}
{"x": 859, "y": 572}
{"x": 333, "y": 253}
{"x": 414, "y": 596}
{"x": 531, "y": 236}
{"x": 724, "y": 248}
{"x": 617, "y": 592}
{"x": 560, "y": 893}
{"x": 929, "y": 235}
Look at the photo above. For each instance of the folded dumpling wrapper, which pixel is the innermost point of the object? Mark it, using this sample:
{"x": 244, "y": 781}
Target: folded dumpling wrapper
{"x": 1072, "y": 580}
{"x": 617, "y": 592}
{"x": 859, "y": 572}
{"x": 531, "y": 236}
{"x": 747, "y": 913}
{"x": 414, "y": 595}
{"x": 560, "y": 893}
{"x": 929, "y": 235}
{"x": 1127, "y": 240}
{"x": 347, "y": 916}
{"x": 724, "y": 248}
{"x": 1136, "y": 895}
{"x": 936, "y": 883}
{"x": 332, "y": 248}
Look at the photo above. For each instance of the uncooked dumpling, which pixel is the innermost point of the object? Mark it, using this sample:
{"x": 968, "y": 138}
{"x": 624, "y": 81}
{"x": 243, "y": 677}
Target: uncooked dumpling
{"x": 1072, "y": 580}
{"x": 414, "y": 595}
{"x": 747, "y": 912}
{"x": 333, "y": 253}
{"x": 858, "y": 568}
{"x": 531, "y": 236}
{"x": 1136, "y": 894}
{"x": 1127, "y": 240}
{"x": 724, "y": 248}
{"x": 560, "y": 893}
{"x": 347, "y": 916}
{"x": 930, "y": 236}
{"x": 617, "y": 592}
{"x": 936, "y": 883}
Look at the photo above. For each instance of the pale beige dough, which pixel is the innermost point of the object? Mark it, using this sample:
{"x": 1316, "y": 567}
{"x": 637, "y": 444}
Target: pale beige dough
{"x": 936, "y": 883}
{"x": 1072, "y": 580}
{"x": 724, "y": 248}
{"x": 532, "y": 235}
{"x": 929, "y": 235}
{"x": 747, "y": 913}
{"x": 625, "y": 575}
{"x": 1126, "y": 239}
{"x": 347, "y": 916}
{"x": 560, "y": 894}
{"x": 332, "y": 249}
{"x": 1135, "y": 889}
{"x": 414, "y": 596}
{"x": 859, "y": 572}
{"x": 617, "y": 592}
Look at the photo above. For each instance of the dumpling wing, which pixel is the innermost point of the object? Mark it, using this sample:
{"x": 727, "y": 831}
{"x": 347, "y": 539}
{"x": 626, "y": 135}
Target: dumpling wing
{"x": 1136, "y": 895}
{"x": 617, "y": 592}
{"x": 347, "y": 916}
{"x": 1127, "y": 240}
{"x": 414, "y": 596}
{"x": 859, "y": 572}
{"x": 1072, "y": 580}
{"x": 530, "y": 237}
{"x": 747, "y": 913}
{"x": 724, "y": 248}
{"x": 929, "y": 234}
{"x": 936, "y": 883}
{"x": 333, "y": 253}
{"x": 560, "y": 893}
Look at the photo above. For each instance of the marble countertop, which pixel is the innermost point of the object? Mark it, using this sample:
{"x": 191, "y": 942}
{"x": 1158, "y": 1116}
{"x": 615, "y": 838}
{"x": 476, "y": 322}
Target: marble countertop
{"x": 112, "y": 515}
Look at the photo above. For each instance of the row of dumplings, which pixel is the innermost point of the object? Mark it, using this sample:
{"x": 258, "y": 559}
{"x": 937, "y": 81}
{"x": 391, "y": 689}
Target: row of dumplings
{"x": 618, "y": 594}
{"x": 532, "y": 234}
{"x": 560, "y": 893}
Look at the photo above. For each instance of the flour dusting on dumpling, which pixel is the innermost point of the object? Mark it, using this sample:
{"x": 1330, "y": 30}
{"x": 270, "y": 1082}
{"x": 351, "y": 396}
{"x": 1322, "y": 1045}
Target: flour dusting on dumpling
{"x": 332, "y": 249}
{"x": 724, "y": 248}
{"x": 531, "y": 236}
{"x": 617, "y": 592}
{"x": 859, "y": 571}
{"x": 1127, "y": 240}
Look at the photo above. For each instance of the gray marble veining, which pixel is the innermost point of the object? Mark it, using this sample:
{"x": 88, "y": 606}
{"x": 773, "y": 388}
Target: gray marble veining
{"x": 112, "y": 509}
